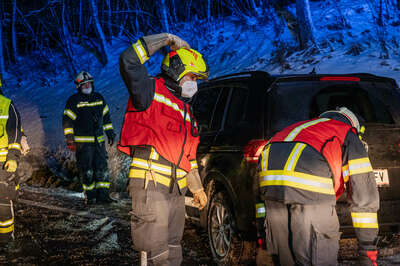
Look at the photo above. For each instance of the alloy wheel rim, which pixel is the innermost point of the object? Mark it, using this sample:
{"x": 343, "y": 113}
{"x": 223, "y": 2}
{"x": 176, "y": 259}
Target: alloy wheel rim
{"x": 221, "y": 229}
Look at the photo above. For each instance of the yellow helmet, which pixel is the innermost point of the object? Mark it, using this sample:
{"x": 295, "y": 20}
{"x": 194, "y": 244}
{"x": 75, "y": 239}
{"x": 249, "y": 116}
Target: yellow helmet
{"x": 177, "y": 64}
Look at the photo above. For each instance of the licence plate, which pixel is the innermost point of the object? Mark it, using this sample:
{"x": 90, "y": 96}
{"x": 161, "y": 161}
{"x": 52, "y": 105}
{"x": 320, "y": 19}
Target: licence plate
{"x": 381, "y": 177}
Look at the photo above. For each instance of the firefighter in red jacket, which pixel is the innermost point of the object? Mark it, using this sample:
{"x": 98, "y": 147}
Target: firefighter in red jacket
{"x": 303, "y": 170}
{"x": 161, "y": 135}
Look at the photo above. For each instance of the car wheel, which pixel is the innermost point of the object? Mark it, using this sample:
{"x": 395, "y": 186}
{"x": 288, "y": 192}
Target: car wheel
{"x": 225, "y": 245}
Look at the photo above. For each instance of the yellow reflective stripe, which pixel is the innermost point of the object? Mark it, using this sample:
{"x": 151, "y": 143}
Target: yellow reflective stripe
{"x": 15, "y": 146}
{"x": 7, "y": 229}
{"x": 193, "y": 164}
{"x": 88, "y": 187}
{"x": 364, "y": 219}
{"x": 153, "y": 154}
{"x": 359, "y": 166}
{"x": 162, "y": 99}
{"x": 17, "y": 187}
{"x": 84, "y": 139}
{"x": 345, "y": 173}
{"x": 68, "y": 130}
{"x": 294, "y": 156}
{"x": 182, "y": 183}
{"x": 265, "y": 158}
{"x": 100, "y": 139}
{"x": 292, "y": 135}
{"x": 138, "y": 173}
{"x": 7, "y": 222}
{"x": 163, "y": 169}
{"x": 105, "y": 110}
{"x": 102, "y": 184}
{"x": 70, "y": 114}
{"x": 140, "y": 51}
{"x": 87, "y": 104}
{"x": 299, "y": 180}
{"x": 260, "y": 210}
{"x": 140, "y": 163}
{"x": 108, "y": 127}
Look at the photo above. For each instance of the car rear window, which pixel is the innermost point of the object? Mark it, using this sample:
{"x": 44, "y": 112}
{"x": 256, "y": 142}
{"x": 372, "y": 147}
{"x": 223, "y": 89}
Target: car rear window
{"x": 293, "y": 101}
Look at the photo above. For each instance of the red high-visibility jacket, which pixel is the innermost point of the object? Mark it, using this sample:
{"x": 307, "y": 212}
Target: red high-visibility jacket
{"x": 324, "y": 135}
{"x": 163, "y": 127}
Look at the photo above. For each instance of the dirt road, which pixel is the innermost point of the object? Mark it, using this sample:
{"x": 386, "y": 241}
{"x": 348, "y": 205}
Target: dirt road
{"x": 53, "y": 227}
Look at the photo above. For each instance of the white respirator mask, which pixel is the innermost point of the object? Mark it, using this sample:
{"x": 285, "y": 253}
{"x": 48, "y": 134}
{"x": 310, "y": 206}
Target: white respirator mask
{"x": 189, "y": 88}
{"x": 86, "y": 90}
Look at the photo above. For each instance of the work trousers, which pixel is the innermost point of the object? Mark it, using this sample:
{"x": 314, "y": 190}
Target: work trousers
{"x": 157, "y": 223}
{"x": 302, "y": 234}
{"x": 91, "y": 159}
{"x": 8, "y": 194}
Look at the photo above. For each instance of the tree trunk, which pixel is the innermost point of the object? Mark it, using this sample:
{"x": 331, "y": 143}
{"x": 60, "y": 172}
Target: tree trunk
{"x": 304, "y": 21}
{"x": 2, "y": 64}
{"x": 164, "y": 17}
{"x": 67, "y": 40}
{"x": 13, "y": 35}
{"x": 100, "y": 32}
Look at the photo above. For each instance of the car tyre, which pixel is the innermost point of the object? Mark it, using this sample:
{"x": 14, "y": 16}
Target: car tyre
{"x": 226, "y": 247}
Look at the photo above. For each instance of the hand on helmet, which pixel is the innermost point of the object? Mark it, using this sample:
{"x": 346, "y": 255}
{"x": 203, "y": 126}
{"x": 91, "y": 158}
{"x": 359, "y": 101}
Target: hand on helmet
{"x": 174, "y": 42}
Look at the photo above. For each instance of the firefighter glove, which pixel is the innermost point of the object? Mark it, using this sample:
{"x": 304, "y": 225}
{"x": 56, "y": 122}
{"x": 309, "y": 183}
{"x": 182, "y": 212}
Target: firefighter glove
{"x": 24, "y": 145}
{"x": 157, "y": 41}
{"x": 368, "y": 257}
{"x": 111, "y": 138}
{"x": 10, "y": 166}
{"x": 200, "y": 199}
{"x": 193, "y": 180}
{"x": 71, "y": 145}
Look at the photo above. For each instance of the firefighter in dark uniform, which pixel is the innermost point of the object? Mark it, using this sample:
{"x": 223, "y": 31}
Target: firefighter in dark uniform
{"x": 303, "y": 170}
{"x": 161, "y": 135}
{"x": 10, "y": 152}
{"x": 86, "y": 118}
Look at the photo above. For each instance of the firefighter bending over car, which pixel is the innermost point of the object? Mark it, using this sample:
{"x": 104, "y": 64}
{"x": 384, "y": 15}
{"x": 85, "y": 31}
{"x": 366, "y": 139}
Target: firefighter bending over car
{"x": 161, "y": 135}
{"x": 86, "y": 118}
{"x": 10, "y": 152}
{"x": 303, "y": 170}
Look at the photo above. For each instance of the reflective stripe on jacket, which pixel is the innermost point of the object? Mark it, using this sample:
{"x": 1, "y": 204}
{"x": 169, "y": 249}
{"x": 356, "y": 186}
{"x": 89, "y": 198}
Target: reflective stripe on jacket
{"x": 164, "y": 125}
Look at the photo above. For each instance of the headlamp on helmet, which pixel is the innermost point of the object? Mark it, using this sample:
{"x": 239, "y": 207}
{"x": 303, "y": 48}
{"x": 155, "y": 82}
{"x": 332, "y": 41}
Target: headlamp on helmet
{"x": 177, "y": 64}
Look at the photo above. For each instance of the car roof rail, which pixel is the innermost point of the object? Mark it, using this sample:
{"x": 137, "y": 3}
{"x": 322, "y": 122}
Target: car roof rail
{"x": 250, "y": 74}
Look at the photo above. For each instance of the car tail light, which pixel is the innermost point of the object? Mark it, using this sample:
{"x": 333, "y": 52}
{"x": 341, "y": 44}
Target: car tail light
{"x": 339, "y": 79}
{"x": 253, "y": 149}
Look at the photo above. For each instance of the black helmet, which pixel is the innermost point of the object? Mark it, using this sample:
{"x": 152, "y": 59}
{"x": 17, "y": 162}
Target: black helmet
{"x": 82, "y": 78}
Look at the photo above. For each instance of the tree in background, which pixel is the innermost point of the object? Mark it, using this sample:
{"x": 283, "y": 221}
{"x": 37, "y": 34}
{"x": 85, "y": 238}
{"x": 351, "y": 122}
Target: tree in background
{"x": 305, "y": 23}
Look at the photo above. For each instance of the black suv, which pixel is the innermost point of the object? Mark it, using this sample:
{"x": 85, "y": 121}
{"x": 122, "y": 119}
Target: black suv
{"x": 238, "y": 112}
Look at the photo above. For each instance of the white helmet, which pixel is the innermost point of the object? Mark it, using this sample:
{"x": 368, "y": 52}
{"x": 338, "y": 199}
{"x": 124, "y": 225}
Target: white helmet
{"x": 82, "y": 78}
{"x": 349, "y": 115}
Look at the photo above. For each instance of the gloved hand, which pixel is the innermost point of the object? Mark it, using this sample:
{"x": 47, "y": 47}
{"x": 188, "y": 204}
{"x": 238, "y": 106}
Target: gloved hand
{"x": 111, "y": 138}
{"x": 200, "y": 199}
{"x": 157, "y": 41}
{"x": 24, "y": 145}
{"x": 11, "y": 166}
{"x": 367, "y": 257}
{"x": 71, "y": 145}
{"x": 174, "y": 42}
